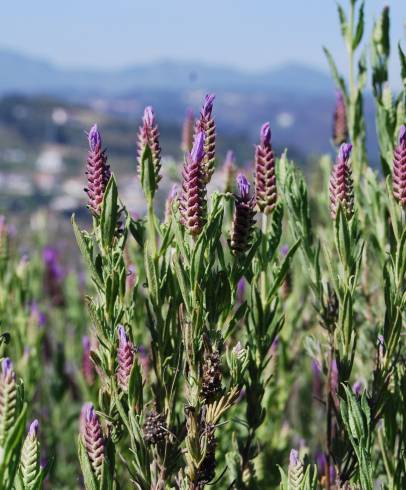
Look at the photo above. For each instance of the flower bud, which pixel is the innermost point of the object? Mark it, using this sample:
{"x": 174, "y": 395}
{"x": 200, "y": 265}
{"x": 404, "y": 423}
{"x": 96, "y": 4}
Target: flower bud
{"x": 340, "y": 128}
{"x": 125, "y": 358}
{"x": 148, "y": 135}
{"x": 188, "y": 131}
{"x": 229, "y": 170}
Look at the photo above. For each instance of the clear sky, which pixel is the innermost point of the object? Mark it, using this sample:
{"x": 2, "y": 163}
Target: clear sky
{"x": 251, "y": 34}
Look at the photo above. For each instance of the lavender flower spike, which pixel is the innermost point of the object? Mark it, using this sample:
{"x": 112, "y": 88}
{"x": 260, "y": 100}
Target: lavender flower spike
{"x": 125, "y": 358}
{"x": 30, "y": 456}
{"x": 295, "y": 470}
{"x": 188, "y": 131}
{"x": 340, "y": 128}
{"x": 207, "y": 125}
{"x": 97, "y": 171}
{"x": 192, "y": 199}
{"x": 8, "y": 398}
{"x": 92, "y": 437}
{"x": 243, "y": 220}
{"x": 148, "y": 134}
{"x": 399, "y": 168}
{"x": 265, "y": 178}
{"x": 341, "y": 183}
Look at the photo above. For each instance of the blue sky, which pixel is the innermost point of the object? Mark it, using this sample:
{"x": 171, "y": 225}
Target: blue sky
{"x": 251, "y": 34}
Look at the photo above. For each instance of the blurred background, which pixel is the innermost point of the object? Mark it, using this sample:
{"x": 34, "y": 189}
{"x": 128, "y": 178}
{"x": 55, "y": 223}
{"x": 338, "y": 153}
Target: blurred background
{"x": 66, "y": 65}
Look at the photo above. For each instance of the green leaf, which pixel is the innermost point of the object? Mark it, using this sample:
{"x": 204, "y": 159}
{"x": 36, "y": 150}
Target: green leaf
{"x": 359, "y": 31}
{"x": 86, "y": 249}
{"x": 151, "y": 271}
{"x": 14, "y": 439}
{"x": 89, "y": 478}
{"x": 343, "y": 21}
{"x": 137, "y": 229}
{"x": 135, "y": 396}
{"x": 334, "y": 71}
{"x": 148, "y": 178}
{"x": 402, "y": 58}
{"x": 109, "y": 214}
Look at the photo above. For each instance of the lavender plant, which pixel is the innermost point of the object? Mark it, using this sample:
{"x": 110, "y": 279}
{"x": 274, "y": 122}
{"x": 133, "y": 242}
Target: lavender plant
{"x": 249, "y": 337}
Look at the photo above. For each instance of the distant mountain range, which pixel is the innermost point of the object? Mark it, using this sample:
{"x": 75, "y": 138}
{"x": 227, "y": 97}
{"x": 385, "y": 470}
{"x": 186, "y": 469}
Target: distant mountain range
{"x": 21, "y": 73}
{"x": 298, "y": 100}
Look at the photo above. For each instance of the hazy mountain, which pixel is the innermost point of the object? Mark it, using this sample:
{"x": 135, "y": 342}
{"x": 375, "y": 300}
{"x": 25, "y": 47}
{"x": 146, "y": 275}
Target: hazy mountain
{"x": 21, "y": 73}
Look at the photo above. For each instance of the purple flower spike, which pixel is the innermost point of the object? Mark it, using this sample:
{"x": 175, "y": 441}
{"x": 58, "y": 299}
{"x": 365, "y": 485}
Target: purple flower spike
{"x": 399, "y": 168}
{"x": 340, "y": 128}
{"x": 92, "y": 437}
{"x": 53, "y": 276}
{"x": 125, "y": 358}
{"x": 265, "y": 178}
{"x": 33, "y": 430}
{"x": 97, "y": 171}
{"x": 244, "y": 217}
{"x": 207, "y": 125}
{"x": 341, "y": 184}
{"x": 188, "y": 131}
{"x": 148, "y": 135}
{"x": 192, "y": 199}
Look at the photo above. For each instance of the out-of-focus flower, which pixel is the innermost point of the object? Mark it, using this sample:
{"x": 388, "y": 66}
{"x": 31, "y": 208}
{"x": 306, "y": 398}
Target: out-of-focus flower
{"x": 88, "y": 370}
{"x": 53, "y": 276}
{"x": 340, "y": 128}
{"x": 169, "y": 202}
{"x": 229, "y": 171}
{"x": 188, "y": 131}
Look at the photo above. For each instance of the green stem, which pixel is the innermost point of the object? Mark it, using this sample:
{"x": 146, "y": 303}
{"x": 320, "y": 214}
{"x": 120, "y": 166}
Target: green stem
{"x": 151, "y": 227}
{"x": 263, "y": 273}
